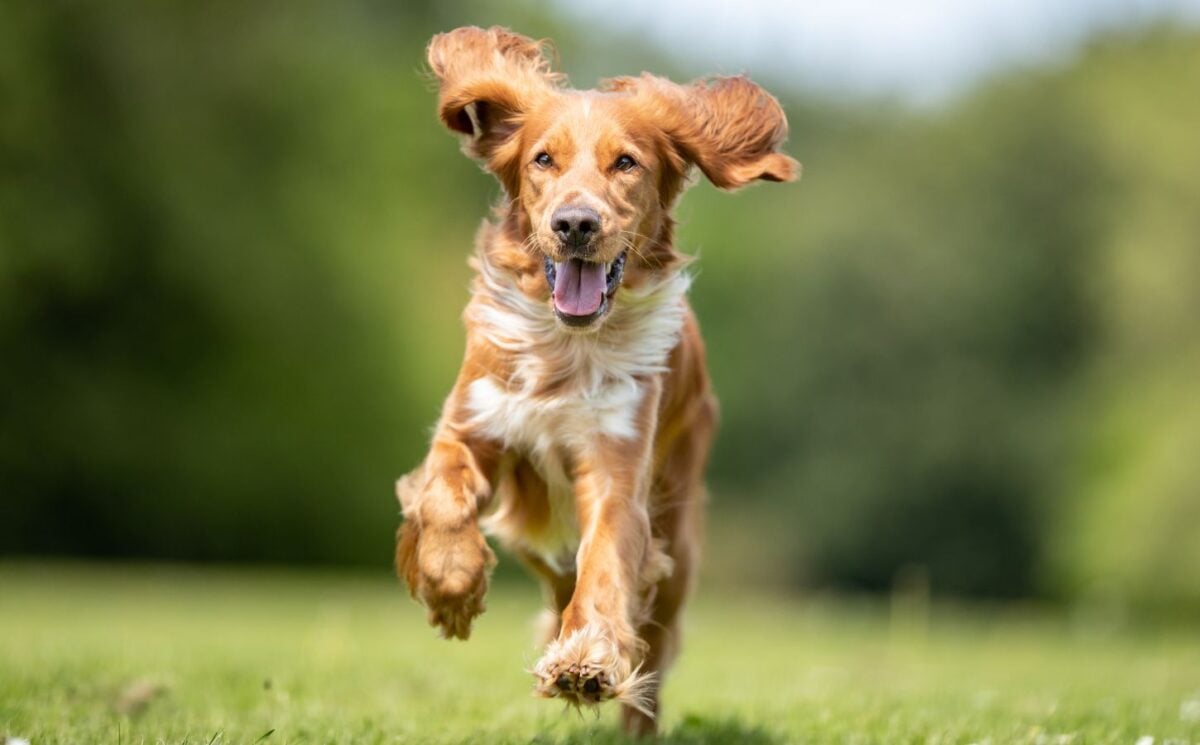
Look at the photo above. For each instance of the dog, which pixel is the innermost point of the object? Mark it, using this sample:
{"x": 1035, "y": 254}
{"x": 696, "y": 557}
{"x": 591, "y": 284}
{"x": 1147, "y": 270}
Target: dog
{"x": 578, "y": 429}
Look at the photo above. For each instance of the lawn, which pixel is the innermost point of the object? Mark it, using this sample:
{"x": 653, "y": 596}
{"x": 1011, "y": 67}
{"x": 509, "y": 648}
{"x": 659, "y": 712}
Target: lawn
{"x": 179, "y": 655}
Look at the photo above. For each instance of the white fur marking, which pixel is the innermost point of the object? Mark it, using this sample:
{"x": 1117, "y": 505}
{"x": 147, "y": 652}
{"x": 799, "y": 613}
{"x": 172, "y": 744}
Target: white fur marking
{"x": 476, "y": 127}
{"x": 598, "y": 379}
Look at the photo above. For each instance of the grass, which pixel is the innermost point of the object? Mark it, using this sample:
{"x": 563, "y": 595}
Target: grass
{"x": 178, "y": 655}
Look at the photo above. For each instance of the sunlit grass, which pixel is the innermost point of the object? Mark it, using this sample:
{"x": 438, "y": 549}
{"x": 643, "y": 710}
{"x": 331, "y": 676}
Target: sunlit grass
{"x": 196, "y": 656}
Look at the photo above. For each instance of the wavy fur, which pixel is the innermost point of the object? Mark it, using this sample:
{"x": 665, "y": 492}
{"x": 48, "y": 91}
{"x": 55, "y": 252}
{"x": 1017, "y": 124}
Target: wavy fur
{"x": 579, "y": 442}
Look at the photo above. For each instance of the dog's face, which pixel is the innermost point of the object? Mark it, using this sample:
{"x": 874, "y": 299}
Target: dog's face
{"x": 592, "y": 175}
{"x": 590, "y": 192}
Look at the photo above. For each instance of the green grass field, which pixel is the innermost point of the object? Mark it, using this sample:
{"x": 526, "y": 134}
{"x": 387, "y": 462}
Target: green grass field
{"x": 175, "y": 655}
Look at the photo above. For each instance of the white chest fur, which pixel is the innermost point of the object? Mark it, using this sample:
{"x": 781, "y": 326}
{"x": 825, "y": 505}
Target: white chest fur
{"x": 538, "y": 424}
{"x": 541, "y": 429}
{"x": 599, "y": 382}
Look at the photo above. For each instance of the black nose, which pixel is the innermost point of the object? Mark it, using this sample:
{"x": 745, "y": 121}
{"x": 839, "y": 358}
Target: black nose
{"x": 575, "y": 226}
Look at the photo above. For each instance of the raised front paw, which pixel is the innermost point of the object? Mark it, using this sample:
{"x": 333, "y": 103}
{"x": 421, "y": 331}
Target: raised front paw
{"x": 447, "y": 570}
{"x": 585, "y": 667}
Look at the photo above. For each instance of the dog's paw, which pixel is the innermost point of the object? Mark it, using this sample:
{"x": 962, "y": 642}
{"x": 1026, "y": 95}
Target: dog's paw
{"x": 447, "y": 570}
{"x": 586, "y": 668}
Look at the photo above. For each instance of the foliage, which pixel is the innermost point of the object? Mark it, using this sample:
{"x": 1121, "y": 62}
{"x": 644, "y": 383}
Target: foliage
{"x": 232, "y": 246}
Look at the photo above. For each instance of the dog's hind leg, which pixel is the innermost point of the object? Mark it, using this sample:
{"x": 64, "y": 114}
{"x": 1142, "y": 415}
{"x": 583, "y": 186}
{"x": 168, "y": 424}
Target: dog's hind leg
{"x": 677, "y": 521}
{"x": 661, "y": 628}
{"x": 557, "y": 588}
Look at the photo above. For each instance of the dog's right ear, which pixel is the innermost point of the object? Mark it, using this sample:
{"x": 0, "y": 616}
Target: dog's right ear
{"x": 488, "y": 80}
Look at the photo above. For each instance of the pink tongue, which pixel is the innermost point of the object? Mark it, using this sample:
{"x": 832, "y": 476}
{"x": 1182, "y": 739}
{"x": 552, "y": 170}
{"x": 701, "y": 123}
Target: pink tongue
{"x": 578, "y": 287}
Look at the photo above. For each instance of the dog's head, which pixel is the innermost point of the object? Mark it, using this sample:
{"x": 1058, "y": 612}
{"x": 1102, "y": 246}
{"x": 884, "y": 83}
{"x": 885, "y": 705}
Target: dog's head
{"x": 592, "y": 175}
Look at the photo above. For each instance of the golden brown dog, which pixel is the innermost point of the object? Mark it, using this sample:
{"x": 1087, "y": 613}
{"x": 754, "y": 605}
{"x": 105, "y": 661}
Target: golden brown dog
{"x": 579, "y": 427}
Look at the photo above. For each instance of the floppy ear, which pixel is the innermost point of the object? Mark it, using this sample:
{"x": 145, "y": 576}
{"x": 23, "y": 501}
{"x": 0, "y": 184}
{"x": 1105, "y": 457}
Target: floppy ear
{"x": 488, "y": 79}
{"x": 727, "y": 126}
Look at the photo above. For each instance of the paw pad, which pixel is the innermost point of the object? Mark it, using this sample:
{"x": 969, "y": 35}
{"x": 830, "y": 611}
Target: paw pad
{"x": 585, "y": 668}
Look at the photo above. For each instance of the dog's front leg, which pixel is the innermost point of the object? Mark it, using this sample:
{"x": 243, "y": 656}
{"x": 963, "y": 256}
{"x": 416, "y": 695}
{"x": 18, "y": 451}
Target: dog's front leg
{"x": 440, "y": 551}
{"x": 597, "y": 651}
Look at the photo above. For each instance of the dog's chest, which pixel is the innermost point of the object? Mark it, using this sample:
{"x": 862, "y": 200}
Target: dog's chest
{"x": 539, "y": 424}
{"x": 561, "y": 393}
{"x": 544, "y": 429}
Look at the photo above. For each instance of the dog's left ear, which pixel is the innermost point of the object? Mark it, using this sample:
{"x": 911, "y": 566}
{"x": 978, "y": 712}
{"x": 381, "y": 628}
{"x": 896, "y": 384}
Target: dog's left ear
{"x": 488, "y": 79}
{"x": 729, "y": 127}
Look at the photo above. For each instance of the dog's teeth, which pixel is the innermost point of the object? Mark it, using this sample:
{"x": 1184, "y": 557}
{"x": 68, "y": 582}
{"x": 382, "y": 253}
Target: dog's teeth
{"x": 607, "y": 267}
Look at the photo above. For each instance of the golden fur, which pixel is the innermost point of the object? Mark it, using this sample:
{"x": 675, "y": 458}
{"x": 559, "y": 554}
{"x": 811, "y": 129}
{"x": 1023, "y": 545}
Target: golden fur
{"x": 581, "y": 450}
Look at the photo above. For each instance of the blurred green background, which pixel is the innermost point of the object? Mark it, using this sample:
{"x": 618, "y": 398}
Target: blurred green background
{"x": 962, "y": 352}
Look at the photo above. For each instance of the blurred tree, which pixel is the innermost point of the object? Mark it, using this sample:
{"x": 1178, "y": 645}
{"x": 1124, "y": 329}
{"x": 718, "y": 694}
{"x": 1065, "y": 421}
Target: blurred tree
{"x": 919, "y": 328}
{"x": 232, "y": 244}
{"x": 1130, "y": 532}
{"x": 191, "y": 368}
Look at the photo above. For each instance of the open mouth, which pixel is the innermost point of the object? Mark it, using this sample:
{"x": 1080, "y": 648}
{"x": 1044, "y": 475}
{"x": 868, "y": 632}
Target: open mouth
{"x": 583, "y": 289}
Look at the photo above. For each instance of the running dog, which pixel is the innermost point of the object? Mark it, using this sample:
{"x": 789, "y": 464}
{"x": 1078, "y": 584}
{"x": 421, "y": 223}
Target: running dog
{"x": 579, "y": 427}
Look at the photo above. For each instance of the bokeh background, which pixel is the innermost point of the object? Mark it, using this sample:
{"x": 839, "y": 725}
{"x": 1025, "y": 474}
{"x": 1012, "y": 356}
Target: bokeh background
{"x": 961, "y": 354}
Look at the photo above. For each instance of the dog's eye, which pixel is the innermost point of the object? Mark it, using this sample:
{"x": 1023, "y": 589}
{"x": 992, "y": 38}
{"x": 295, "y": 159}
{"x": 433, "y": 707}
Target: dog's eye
{"x": 625, "y": 163}
{"x": 544, "y": 160}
